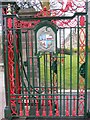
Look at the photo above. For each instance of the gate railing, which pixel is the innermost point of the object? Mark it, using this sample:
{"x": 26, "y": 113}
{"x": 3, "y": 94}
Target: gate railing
{"x": 44, "y": 93}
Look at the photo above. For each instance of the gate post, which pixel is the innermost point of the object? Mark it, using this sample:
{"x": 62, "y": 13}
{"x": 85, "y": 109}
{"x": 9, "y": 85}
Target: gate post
{"x": 7, "y": 110}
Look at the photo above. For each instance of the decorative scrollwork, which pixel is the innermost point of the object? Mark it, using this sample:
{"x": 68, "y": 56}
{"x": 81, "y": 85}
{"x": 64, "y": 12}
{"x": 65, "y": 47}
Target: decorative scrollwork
{"x": 82, "y": 61}
{"x": 11, "y": 71}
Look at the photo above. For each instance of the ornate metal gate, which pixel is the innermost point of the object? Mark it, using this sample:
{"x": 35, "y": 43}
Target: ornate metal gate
{"x": 45, "y": 58}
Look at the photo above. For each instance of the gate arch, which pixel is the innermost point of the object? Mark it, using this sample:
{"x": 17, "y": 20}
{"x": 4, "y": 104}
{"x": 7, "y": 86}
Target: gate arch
{"x": 44, "y": 28}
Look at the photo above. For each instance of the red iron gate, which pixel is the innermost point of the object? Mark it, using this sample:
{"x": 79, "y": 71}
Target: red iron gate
{"x": 45, "y": 58}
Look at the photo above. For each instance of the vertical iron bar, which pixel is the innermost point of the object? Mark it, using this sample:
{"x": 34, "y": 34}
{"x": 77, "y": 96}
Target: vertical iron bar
{"x": 78, "y": 39}
{"x": 35, "y": 43}
{"x": 22, "y": 75}
{"x": 71, "y": 71}
{"x": 64, "y": 70}
{"x": 53, "y": 104}
{"x": 50, "y": 73}
{"x": 28, "y": 62}
{"x": 46, "y": 71}
{"x": 39, "y": 78}
{"x": 44, "y": 87}
{"x": 33, "y": 64}
{"x": 39, "y": 69}
{"x": 60, "y": 76}
{"x": 86, "y": 60}
{"x": 51, "y": 79}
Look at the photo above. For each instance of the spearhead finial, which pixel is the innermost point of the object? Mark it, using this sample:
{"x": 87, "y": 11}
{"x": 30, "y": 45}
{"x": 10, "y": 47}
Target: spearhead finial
{"x": 9, "y": 9}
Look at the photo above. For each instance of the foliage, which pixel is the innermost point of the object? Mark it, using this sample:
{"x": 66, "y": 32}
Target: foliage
{"x": 89, "y": 49}
{"x": 65, "y": 51}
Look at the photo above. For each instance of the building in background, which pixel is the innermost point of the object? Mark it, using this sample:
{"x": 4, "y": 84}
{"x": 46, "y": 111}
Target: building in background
{"x": 89, "y": 24}
{"x": 74, "y": 35}
{"x": 74, "y": 40}
{"x": 1, "y": 61}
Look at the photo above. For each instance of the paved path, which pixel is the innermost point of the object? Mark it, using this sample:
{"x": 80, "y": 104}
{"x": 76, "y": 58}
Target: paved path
{"x": 88, "y": 100}
{"x": 2, "y": 95}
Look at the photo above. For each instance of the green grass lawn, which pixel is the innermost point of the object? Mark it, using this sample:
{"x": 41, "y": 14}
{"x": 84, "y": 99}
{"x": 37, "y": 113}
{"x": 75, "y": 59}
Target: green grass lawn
{"x": 67, "y": 74}
{"x": 74, "y": 71}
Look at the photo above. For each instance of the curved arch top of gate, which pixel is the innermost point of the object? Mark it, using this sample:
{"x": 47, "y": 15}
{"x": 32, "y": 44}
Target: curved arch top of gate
{"x": 45, "y": 36}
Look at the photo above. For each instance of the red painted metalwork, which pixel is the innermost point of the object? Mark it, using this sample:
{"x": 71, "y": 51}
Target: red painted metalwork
{"x": 25, "y": 24}
{"x": 17, "y": 77}
{"x": 57, "y": 109}
{"x": 61, "y": 23}
{"x": 27, "y": 111}
{"x": 21, "y": 110}
{"x": 50, "y": 106}
{"x": 43, "y": 101}
{"x": 4, "y": 11}
{"x": 37, "y": 111}
{"x": 81, "y": 61}
{"x": 71, "y": 4}
{"x": 67, "y": 107}
{"x": 82, "y": 20}
{"x": 70, "y": 7}
{"x": 81, "y": 102}
{"x": 44, "y": 107}
{"x": 11, "y": 67}
{"x": 74, "y": 106}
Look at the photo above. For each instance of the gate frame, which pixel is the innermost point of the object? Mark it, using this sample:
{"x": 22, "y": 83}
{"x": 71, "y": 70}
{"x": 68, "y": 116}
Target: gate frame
{"x": 7, "y": 109}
